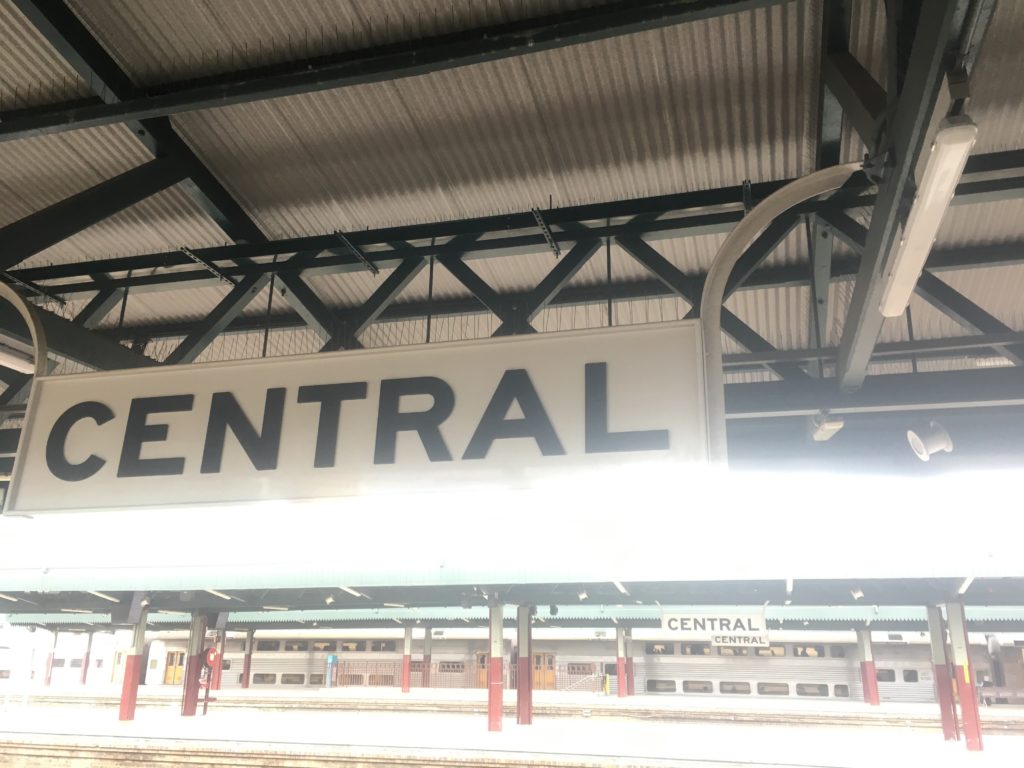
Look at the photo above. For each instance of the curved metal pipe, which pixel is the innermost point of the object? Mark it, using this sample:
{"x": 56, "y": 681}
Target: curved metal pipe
{"x": 735, "y": 245}
{"x": 35, "y": 327}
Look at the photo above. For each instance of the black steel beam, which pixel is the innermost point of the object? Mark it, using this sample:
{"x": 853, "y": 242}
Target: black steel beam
{"x": 525, "y": 311}
{"x": 758, "y": 251}
{"x": 929, "y": 60}
{"x": 214, "y": 323}
{"x": 951, "y": 302}
{"x": 357, "y": 321}
{"x": 305, "y": 302}
{"x": 690, "y": 289}
{"x": 378, "y": 64}
{"x": 38, "y": 231}
{"x": 862, "y": 99}
{"x": 900, "y": 392}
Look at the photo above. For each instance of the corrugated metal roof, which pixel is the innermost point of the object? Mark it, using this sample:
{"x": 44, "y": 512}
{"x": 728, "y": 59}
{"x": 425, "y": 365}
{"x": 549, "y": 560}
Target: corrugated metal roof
{"x": 31, "y": 72}
{"x": 997, "y": 90}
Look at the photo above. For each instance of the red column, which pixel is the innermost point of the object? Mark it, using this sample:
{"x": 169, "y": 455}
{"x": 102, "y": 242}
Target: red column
{"x": 425, "y": 676}
{"x": 48, "y": 675}
{"x": 133, "y": 670}
{"x": 630, "y": 679}
{"x": 193, "y": 666}
{"x": 524, "y": 679}
{"x": 495, "y": 672}
{"x": 85, "y": 659}
{"x": 407, "y": 660}
{"x": 970, "y": 717}
{"x": 943, "y": 679}
{"x": 621, "y": 684}
{"x": 250, "y": 638}
{"x": 868, "y": 673}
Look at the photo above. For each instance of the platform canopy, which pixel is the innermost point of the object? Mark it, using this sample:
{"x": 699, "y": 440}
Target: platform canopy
{"x": 197, "y": 182}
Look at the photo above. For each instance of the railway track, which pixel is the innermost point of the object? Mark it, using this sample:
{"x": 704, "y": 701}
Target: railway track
{"x": 663, "y": 714}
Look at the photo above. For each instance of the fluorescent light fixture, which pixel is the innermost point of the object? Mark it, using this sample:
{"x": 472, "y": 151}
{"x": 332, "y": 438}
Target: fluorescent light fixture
{"x": 622, "y": 589}
{"x": 397, "y": 621}
{"x": 945, "y": 165}
{"x": 824, "y": 425}
{"x": 104, "y": 596}
{"x": 582, "y": 595}
{"x": 215, "y": 593}
{"x": 275, "y": 608}
{"x": 352, "y": 592}
{"x": 16, "y": 360}
{"x": 329, "y": 599}
{"x": 393, "y": 605}
{"x": 74, "y": 610}
{"x": 614, "y": 620}
{"x": 8, "y": 598}
{"x": 857, "y": 594}
{"x": 965, "y": 586}
{"x": 169, "y": 612}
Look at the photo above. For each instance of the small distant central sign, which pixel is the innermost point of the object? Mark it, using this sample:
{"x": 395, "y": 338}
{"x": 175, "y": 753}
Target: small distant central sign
{"x": 729, "y": 628}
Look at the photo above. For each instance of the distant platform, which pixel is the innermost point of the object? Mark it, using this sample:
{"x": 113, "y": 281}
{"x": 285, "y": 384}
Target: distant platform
{"x": 333, "y": 727}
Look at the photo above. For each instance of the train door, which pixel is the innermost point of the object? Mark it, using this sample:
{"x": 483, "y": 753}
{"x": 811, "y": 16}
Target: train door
{"x": 481, "y": 669}
{"x": 175, "y": 668}
{"x": 544, "y": 671}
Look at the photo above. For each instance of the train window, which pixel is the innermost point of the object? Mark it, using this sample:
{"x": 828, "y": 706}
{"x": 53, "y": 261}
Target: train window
{"x": 351, "y": 679}
{"x": 809, "y": 651}
{"x": 837, "y": 652}
{"x": 695, "y": 649}
{"x": 76, "y": 663}
{"x": 264, "y": 678}
{"x": 611, "y": 669}
{"x": 660, "y": 649}
{"x": 775, "y": 650}
{"x": 58, "y": 663}
{"x": 698, "y": 686}
{"x": 383, "y": 645}
{"x": 579, "y": 669}
{"x": 451, "y": 667}
{"x": 734, "y": 652}
{"x": 381, "y": 680}
{"x": 885, "y": 675}
{"x": 291, "y": 678}
{"x": 353, "y": 645}
{"x": 415, "y": 666}
{"x": 728, "y": 687}
{"x": 910, "y": 676}
{"x": 841, "y": 691}
{"x": 325, "y": 646}
{"x": 895, "y": 637}
{"x": 268, "y": 645}
{"x": 661, "y": 686}
{"x": 296, "y": 645}
{"x": 225, "y": 663}
{"x": 316, "y": 679}
{"x": 773, "y": 689}
{"x": 811, "y": 689}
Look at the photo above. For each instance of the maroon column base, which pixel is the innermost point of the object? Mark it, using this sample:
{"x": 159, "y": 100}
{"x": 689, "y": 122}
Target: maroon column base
{"x": 190, "y": 699}
{"x": 494, "y": 690}
{"x": 524, "y": 692}
{"x": 130, "y": 687}
{"x": 969, "y": 708}
{"x": 406, "y": 673}
{"x": 246, "y": 667}
{"x": 947, "y": 705}
{"x": 630, "y": 679}
{"x": 869, "y": 678}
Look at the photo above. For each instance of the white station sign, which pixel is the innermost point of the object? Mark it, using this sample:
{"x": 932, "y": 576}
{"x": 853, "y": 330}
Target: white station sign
{"x": 507, "y": 413}
{"x": 723, "y": 628}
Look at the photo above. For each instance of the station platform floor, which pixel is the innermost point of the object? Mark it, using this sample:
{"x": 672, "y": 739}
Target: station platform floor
{"x": 42, "y": 731}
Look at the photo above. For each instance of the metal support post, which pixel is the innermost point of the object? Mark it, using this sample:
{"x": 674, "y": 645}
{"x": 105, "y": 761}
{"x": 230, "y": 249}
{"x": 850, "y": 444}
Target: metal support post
{"x": 217, "y": 671}
{"x": 48, "y": 678}
{"x": 620, "y": 662}
{"x": 524, "y": 679}
{"x": 425, "y": 674}
{"x": 495, "y": 673}
{"x": 407, "y": 660}
{"x": 970, "y": 717}
{"x": 133, "y": 670}
{"x": 943, "y": 678}
{"x": 630, "y": 680}
{"x": 85, "y": 659}
{"x": 868, "y": 673}
{"x": 250, "y": 638}
{"x": 193, "y": 665}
